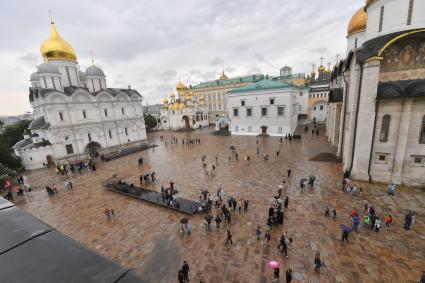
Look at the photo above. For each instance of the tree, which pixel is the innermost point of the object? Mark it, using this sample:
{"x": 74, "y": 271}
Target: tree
{"x": 150, "y": 122}
{"x": 10, "y": 135}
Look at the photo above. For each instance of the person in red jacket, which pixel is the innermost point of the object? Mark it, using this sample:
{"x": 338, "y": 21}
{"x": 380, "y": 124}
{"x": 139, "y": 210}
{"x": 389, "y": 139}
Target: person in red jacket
{"x": 388, "y": 220}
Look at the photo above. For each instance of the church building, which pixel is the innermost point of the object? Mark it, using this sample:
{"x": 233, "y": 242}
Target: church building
{"x": 187, "y": 111}
{"x": 76, "y": 114}
{"x": 377, "y": 99}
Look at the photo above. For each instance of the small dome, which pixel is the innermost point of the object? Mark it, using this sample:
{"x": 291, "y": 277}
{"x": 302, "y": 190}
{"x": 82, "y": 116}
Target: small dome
{"x": 165, "y": 100}
{"x": 181, "y": 106}
{"x": 180, "y": 86}
{"x": 223, "y": 76}
{"x": 321, "y": 68}
{"x": 170, "y": 107}
{"x": 34, "y": 77}
{"x": 358, "y": 22}
{"x": 94, "y": 71}
{"x": 48, "y": 68}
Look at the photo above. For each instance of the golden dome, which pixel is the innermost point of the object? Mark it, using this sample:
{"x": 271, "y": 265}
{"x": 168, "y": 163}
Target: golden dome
{"x": 170, "y": 107}
{"x": 180, "y": 86}
{"x": 321, "y": 68}
{"x": 172, "y": 94}
{"x": 223, "y": 76}
{"x": 181, "y": 106}
{"x": 56, "y": 48}
{"x": 358, "y": 22}
{"x": 165, "y": 100}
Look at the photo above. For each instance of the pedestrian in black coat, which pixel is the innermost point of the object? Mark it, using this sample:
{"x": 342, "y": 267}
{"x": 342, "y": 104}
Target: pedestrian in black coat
{"x": 185, "y": 270}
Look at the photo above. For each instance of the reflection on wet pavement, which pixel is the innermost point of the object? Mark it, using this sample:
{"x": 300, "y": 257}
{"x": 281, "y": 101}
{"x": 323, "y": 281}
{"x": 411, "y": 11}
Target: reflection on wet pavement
{"x": 145, "y": 237}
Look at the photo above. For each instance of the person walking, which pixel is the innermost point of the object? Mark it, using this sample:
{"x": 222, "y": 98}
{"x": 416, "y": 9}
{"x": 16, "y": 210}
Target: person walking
{"x": 317, "y": 262}
{"x": 288, "y": 276}
{"x": 267, "y": 238}
{"x": 388, "y": 221}
{"x": 185, "y": 270}
{"x": 180, "y": 277}
{"x": 286, "y": 202}
{"x": 229, "y": 237}
{"x": 258, "y": 232}
{"x": 344, "y": 235}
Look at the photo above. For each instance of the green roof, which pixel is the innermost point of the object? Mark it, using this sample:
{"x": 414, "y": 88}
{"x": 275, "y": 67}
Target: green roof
{"x": 244, "y": 79}
{"x": 261, "y": 85}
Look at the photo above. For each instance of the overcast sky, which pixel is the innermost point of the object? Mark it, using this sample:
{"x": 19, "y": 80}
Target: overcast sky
{"x": 151, "y": 44}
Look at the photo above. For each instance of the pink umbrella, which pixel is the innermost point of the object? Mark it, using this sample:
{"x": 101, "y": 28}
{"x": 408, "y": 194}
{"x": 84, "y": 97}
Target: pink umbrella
{"x": 274, "y": 264}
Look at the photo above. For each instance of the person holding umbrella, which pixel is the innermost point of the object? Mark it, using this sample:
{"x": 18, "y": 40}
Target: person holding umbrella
{"x": 345, "y": 232}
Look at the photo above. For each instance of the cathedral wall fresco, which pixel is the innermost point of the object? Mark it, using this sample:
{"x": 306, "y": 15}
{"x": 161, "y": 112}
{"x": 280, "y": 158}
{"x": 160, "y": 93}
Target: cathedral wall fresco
{"x": 404, "y": 60}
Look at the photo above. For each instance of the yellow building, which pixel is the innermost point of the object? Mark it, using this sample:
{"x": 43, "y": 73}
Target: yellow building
{"x": 215, "y": 92}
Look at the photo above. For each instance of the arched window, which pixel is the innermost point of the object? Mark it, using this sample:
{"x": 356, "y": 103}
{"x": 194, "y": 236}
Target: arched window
{"x": 385, "y": 128}
{"x": 422, "y": 135}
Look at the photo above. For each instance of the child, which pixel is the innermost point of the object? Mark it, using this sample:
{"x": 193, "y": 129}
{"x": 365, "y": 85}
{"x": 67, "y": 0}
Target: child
{"x": 388, "y": 221}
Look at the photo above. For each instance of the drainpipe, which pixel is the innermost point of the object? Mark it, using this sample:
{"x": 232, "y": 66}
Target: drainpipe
{"x": 344, "y": 114}
{"x": 357, "y": 118}
{"x": 373, "y": 140}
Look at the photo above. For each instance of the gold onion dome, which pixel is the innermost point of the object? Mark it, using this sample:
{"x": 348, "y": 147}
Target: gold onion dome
{"x": 180, "y": 86}
{"x": 358, "y": 22}
{"x": 181, "y": 106}
{"x": 56, "y": 48}
{"x": 165, "y": 100}
{"x": 172, "y": 94}
{"x": 321, "y": 68}
{"x": 223, "y": 76}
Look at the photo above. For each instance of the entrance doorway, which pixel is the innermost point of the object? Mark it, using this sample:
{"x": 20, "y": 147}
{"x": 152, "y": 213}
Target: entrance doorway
{"x": 93, "y": 148}
{"x": 186, "y": 122}
{"x": 263, "y": 130}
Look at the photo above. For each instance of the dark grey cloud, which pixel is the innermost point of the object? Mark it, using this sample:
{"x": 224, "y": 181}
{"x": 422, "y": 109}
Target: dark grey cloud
{"x": 144, "y": 41}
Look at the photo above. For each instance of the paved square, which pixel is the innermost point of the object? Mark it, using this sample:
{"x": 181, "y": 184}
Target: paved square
{"x": 145, "y": 237}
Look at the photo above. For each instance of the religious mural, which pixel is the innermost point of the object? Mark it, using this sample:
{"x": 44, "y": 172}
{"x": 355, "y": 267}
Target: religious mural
{"x": 408, "y": 54}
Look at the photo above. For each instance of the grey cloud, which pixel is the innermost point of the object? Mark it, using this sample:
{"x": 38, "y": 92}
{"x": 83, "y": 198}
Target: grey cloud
{"x": 194, "y": 37}
{"x": 217, "y": 61}
{"x": 169, "y": 75}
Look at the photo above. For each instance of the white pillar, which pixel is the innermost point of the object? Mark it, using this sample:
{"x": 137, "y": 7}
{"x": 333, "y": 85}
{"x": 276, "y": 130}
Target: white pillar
{"x": 365, "y": 120}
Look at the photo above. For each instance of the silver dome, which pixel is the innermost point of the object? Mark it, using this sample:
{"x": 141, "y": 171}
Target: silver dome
{"x": 48, "y": 68}
{"x": 34, "y": 77}
{"x": 94, "y": 71}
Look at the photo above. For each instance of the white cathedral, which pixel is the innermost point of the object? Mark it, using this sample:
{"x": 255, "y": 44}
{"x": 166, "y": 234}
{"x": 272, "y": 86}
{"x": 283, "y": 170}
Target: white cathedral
{"x": 75, "y": 113}
{"x": 376, "y": 112}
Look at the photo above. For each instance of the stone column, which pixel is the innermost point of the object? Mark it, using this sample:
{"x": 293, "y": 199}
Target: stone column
{"x": 365, "y": 119}
{"x": 402, "y": 140}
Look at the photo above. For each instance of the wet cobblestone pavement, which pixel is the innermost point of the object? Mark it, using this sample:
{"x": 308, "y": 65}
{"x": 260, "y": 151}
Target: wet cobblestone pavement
{"x": 145, "y": 237}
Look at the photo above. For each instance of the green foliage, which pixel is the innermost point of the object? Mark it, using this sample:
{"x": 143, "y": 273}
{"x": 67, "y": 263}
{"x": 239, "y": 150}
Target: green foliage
{"x": 150, "y": 121}
{"x": 13, "y": 133}
{"x": 9, "y": 136}
{"x": 5, "y": 174}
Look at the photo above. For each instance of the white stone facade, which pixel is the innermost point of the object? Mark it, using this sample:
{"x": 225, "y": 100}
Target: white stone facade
{"x": 75, "y": 114}
{"x": 265, "y": 107}
{"x": 377, "y": 103}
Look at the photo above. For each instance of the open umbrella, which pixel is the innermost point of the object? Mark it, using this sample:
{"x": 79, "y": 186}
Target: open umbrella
{"x": 274, "y": 264}
{"x": 208, "y": 217}
{"x": 184, "y": 220}
{"x": 345, "y": 228}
